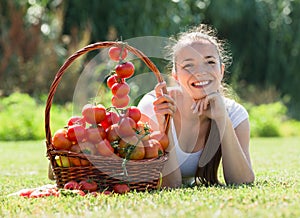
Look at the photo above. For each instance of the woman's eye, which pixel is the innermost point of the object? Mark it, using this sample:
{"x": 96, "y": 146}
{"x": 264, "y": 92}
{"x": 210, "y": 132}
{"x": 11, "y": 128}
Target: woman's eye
{"x": 187, "y": 66}
{"x": 211, "y": 62}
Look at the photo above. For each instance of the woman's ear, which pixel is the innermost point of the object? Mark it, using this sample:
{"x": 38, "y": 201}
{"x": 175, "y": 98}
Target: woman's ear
{"x": 174, "y": 75}
{"x": 222, "y": 70}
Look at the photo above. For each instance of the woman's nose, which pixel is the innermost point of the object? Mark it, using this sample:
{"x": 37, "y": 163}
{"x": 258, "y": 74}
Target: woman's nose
{"x": 200, "y": 70}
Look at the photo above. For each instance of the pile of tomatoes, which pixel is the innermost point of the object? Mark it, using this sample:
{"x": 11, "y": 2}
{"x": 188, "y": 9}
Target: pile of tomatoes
{"x": 115, "y": 131}
{"x": 91, "y": 187}
{"x": 72, "y": 188}
{"x": 104, "y": 132}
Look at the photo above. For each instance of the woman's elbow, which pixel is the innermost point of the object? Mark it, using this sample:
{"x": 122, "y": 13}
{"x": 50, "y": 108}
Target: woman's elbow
{"x": 251, "y": 178}
{"x": 248, "y": 179}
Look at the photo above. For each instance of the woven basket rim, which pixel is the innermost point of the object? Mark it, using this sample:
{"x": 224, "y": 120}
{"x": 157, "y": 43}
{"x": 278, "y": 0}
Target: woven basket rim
{"x": 107, "y": 158}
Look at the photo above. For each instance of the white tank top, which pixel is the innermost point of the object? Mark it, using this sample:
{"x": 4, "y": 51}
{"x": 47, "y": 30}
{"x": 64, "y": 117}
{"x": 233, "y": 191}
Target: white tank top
{"x": 188, "y": 162}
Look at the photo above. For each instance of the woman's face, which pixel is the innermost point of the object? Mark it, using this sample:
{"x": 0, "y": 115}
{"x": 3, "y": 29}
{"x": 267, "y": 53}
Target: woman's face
{"x": 198, "y": 69}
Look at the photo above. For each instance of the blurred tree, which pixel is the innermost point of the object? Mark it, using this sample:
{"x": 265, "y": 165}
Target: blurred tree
{"x": 37, "y": 36}
{"x": 32, "y": 47}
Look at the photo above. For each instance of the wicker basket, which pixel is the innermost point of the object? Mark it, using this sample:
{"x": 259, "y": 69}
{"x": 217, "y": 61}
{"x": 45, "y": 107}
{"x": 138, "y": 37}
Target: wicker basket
{"x": 140, "y": 175}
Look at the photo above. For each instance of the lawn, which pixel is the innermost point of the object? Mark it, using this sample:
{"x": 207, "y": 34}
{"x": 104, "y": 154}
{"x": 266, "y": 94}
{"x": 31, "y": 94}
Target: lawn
{"x": 275, "y": 193}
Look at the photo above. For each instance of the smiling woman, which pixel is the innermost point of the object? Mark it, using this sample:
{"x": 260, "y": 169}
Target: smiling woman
{"x": 205, "y": 125}
{"x": 199, "y": 73}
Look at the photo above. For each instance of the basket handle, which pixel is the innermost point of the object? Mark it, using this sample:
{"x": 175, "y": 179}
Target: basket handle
{"x": 82, "y": 51}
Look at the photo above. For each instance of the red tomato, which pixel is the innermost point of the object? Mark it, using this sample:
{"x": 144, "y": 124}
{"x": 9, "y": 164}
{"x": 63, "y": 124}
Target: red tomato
{"x": 93, "y": 114}
{"x": 76, "y": 133}
{"x": 127, "y": 127}
{"x": 120, "y": 102}
{"x": 72, "y": 185}
{"x": 76, "y": 120}
{"x": 112, "y": 133}
{"x": 137, "y": 152}
{"x": 143, "y": 130}
{"x": 78, "y": 161}
{"x": 120, "y": 89}
{"x": 26, "y": 192}
{"x": 125, "y": 70}
{"x": 153, "y": 149}
{"x": 75, "y": 148}
{"x": 104, "y": 148}
{"x": 117, "y": 53}
{"x": 134, "y": 113}
{"x": 60, "y": 140}
{"x": 110, "y": 118}
{"x": 39, "y": 193}
{"x": 121, "y": 188}
{"x": 107, "y": 192}
{"x": 88, "y": 148}
{"x": 88, "y": 185}
{"x": 114, "y": 79}
{"x": 161, "y": 137}
{"x": 95, "y": 135}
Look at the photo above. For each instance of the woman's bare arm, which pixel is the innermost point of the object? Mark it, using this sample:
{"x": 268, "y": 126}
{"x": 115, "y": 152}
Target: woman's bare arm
{"x": 235, "y": 154}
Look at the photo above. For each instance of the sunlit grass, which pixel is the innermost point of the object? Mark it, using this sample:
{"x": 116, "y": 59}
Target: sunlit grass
{"x": 275, "y": 192}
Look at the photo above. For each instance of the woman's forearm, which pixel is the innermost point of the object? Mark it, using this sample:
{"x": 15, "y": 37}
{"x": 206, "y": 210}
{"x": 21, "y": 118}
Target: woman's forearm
{"x": 236, "y": 162}
{"x": 171, "y": 172}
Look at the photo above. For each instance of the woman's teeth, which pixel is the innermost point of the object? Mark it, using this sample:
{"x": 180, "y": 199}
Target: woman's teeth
{"x": 200, "y": 83}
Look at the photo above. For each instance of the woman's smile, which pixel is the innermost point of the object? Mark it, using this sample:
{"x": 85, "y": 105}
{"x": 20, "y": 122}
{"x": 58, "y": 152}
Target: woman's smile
{"x": 200, "y": 84}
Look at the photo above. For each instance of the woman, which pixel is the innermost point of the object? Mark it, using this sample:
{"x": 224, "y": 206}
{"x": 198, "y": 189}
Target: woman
{"x": 204, "y": 124}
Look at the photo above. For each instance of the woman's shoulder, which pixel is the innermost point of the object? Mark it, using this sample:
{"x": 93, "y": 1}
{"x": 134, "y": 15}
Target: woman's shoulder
{"x": 232, "y": 104}
{"x": 236, "y": 111}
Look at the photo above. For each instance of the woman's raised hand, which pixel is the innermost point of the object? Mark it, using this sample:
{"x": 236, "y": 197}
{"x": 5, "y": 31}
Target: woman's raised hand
{"x": 211, "y": 106}
{"x": 164, "y": 104}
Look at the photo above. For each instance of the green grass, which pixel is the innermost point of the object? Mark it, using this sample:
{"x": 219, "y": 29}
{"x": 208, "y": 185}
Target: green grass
{"x": 275, "y": 192}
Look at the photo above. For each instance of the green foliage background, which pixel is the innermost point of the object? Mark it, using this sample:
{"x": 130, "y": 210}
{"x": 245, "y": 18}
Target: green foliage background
{"x": 36, "y": 37}
{"x": 22, "y": 118}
